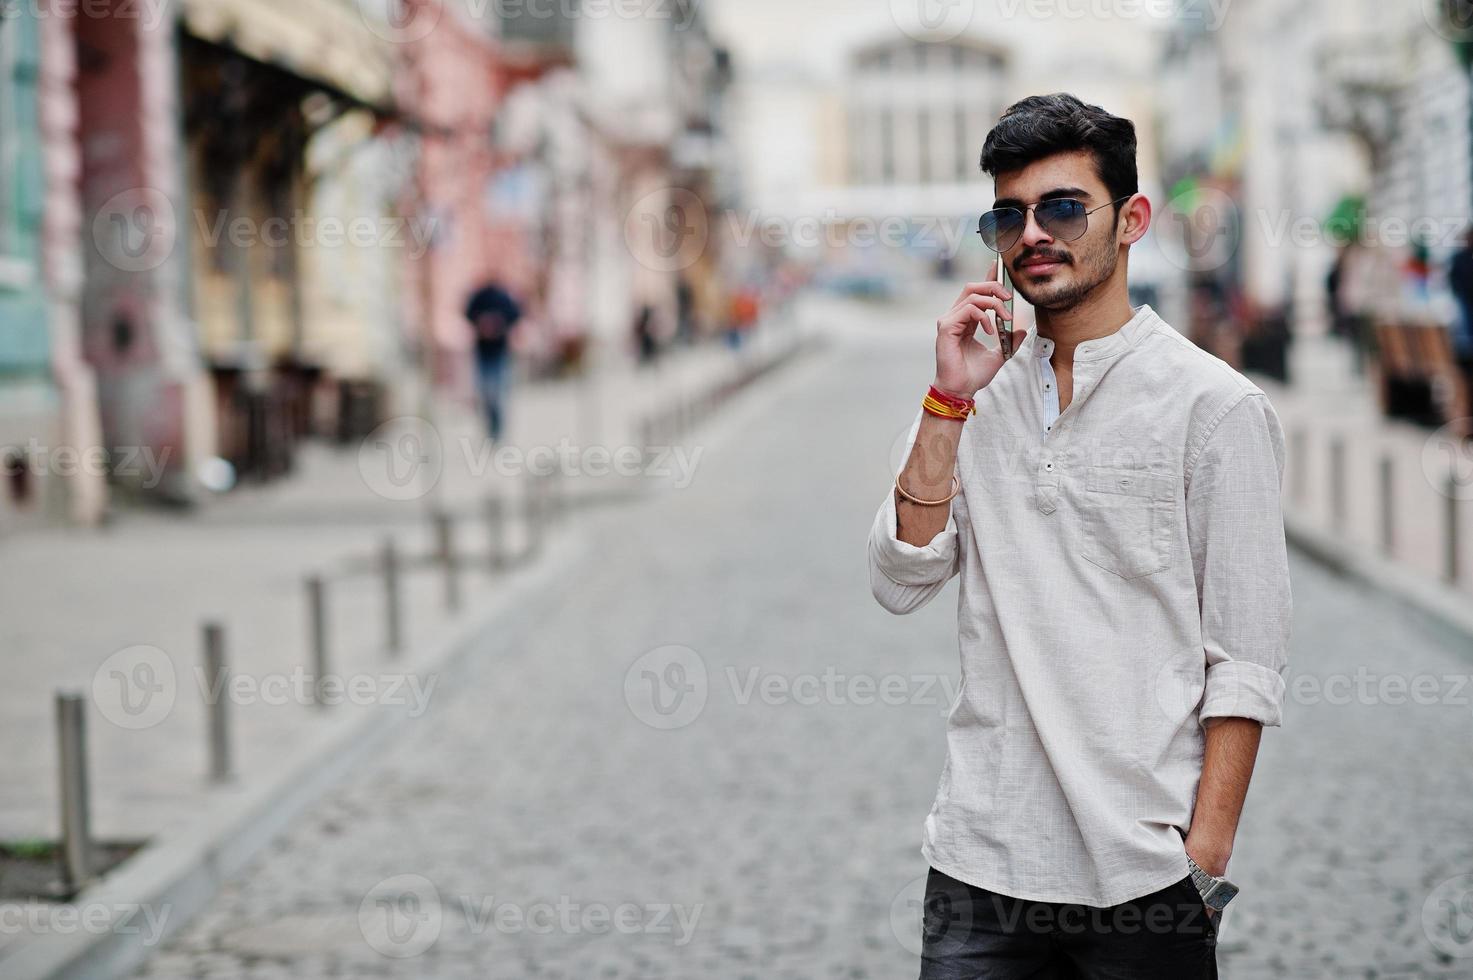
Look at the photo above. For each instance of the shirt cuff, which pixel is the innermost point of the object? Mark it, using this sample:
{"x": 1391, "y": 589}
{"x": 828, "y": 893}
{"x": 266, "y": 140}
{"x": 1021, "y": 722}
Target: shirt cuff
{"x": 1241, "y": 689}
{"x": 907, "y": 564}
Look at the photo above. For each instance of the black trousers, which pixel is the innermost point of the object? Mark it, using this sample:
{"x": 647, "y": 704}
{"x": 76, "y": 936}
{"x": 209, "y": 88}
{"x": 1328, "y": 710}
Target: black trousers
{"x": 971, "y": 933}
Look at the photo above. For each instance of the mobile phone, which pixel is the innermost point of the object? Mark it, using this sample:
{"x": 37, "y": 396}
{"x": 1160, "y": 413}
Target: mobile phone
{"x": 1005, "y": 327}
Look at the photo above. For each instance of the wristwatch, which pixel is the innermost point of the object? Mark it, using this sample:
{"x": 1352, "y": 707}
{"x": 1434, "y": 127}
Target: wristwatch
{"x": 1216, "y": 892}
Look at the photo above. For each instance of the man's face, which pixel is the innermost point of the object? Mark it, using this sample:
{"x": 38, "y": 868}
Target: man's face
{"x": 1052, "y": 274}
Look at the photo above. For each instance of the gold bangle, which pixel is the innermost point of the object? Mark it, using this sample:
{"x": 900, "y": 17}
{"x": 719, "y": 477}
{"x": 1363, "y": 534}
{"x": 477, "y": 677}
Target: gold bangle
{"x": 956, "y": 488}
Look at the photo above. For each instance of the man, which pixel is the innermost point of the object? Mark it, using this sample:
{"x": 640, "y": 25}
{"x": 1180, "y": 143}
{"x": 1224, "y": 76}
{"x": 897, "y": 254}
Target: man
{"x": 1109, "y": 497}
{"x": 493, "y": 315}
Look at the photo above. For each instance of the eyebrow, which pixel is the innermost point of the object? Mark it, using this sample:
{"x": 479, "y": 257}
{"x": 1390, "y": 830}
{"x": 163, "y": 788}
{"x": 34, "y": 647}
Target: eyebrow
{"x": 1075, "y": 192}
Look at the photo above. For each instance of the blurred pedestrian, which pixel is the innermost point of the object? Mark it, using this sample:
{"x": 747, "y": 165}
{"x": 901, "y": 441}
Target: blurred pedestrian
{"x": 646, "y": 344}
{"x": 746, "y": 306}
{"x": 1460, "y": 281}
{"x": 685, "y": 311}
{"x": 493, "y": 316}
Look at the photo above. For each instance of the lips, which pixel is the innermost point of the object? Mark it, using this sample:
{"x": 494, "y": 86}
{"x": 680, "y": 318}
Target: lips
{"x": 1041, "y": 266}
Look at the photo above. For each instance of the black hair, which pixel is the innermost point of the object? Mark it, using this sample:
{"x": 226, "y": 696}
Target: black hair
{"x": 1043, "y": 125}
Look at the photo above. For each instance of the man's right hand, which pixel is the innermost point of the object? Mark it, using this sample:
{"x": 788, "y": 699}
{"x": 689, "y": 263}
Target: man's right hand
{"x": 964, "y": 366}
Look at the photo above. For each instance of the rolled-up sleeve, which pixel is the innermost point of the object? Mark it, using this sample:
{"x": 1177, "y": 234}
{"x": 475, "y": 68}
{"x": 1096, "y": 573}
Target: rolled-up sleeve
{"x": 1236, "y": 528}
{"x": 904, "y": 577}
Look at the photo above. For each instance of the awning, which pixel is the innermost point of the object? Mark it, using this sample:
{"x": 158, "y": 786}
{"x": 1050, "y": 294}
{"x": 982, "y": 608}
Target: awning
{"x": 328, "y": 41}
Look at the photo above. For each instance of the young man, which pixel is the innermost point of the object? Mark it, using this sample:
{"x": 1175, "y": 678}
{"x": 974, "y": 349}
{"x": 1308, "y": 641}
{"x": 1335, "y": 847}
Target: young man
{"x": 1109, "y": 496}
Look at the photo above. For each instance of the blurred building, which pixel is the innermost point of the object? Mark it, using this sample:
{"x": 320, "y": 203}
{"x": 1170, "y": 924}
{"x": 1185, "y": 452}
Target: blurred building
{"x": 229, "y": 225}
{"x": 293, "y": 240}
{"x": 1291, "y": 130}
{"x": 918, "y": 114}
{"x": 860, "y": 144}
{"x": 585, "y": 123}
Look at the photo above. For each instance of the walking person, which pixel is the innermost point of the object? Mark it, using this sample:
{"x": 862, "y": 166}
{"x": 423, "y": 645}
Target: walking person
{"x": 1109, "y": 497}
{"x": 493, "y": 315}
{"x": 1460, "y": 280}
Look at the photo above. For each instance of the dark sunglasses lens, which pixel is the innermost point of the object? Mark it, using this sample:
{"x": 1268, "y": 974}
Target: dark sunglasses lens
{"x": 1000, "y": 228}
{"x": 1063, "y": 219}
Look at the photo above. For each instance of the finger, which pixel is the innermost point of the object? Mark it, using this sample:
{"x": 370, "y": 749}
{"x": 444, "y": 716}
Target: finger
{"x": 994, "y": 303}
{"x": 988, "y": 287}
{"x": 977, "y": 317}
{"x": 972, "y": 310}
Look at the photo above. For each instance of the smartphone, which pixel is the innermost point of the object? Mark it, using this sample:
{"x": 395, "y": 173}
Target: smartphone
{"x": 1005, "y": 327}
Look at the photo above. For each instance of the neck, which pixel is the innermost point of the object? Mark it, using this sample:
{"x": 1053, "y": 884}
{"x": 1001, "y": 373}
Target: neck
{"x": 1099, "y": 314}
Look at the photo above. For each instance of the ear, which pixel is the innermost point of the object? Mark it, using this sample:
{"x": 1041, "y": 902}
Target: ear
{"x": 1135, "y": 219}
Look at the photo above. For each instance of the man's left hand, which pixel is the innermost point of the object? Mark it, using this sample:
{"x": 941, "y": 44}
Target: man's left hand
{"x": 1211, "y": 856}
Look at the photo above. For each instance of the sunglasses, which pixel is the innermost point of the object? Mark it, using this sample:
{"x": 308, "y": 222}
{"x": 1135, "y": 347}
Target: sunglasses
{"x": 1062, "y": 219}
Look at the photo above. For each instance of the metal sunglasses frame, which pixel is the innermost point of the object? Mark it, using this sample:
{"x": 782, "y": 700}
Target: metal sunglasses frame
{"x": 1033, "y": 207}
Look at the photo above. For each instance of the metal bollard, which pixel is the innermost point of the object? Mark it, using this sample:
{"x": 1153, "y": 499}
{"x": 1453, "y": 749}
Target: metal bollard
{"x": 1388, "y": 506}
{"x": 1337, "y": 482}
{"x": 393, "y": 614}
{"x": 445, "y": 552}
{"x": 76, "y": 818}
{"x": 496, "y": 532}
{"x": 1450, "y": 502}
{"x": 217, "y": 679}
{"x": 1299, "y": 473}
{"x": 317, "y": 619}
{"x": 534, "y": 511}
{"x": 557, "y": 497}
{"x": 646, "y": 439}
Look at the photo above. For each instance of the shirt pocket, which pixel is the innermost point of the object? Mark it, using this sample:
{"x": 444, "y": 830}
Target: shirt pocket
{"x": 1125, "y": 516}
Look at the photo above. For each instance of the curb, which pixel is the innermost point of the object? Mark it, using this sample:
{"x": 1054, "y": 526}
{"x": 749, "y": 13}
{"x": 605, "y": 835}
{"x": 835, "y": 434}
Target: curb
{"x": 175, "y": 879}
{"x": 1437, "y": 606}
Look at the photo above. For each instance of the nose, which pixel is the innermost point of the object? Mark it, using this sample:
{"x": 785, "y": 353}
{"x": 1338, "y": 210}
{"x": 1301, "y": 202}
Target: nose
{"x": 1033, "y": 234}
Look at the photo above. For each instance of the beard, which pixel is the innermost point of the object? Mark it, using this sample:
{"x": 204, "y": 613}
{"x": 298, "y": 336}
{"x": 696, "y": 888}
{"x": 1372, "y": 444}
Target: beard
{"x": 1069, "y": 286}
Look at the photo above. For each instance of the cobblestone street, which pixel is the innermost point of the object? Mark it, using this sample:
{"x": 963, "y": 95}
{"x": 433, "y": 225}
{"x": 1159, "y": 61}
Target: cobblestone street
{"x": 709, "y": 754}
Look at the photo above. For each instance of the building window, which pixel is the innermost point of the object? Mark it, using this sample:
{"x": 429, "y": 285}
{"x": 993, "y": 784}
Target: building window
{"x": 962, "y": 142}
{"x": 923, "y": 143}
{"x": 887, "y": 146}
{"x": 9, "y": 134}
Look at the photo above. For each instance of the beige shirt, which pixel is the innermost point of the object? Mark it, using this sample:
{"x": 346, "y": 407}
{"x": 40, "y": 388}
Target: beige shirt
{"x": 1124, "y": 576}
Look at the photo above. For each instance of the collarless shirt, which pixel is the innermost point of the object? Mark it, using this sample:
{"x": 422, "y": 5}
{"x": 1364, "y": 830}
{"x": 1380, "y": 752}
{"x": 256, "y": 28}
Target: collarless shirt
{"x": 1123, "y": 578}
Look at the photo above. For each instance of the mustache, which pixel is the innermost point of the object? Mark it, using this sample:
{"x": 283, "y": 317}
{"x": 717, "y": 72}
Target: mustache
{"x": 1031, "y": 254}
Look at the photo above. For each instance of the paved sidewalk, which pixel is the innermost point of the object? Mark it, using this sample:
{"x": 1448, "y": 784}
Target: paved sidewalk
{"x": 117, "y": 612}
